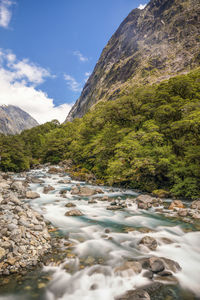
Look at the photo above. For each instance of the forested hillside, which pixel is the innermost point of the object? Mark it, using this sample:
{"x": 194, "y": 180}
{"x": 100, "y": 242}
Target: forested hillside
{"x": 149, "y": 138}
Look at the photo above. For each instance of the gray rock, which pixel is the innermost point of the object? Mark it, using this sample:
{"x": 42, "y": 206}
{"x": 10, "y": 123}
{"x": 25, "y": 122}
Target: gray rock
{"x": 70, "y": 205}
{"x": 74, "y": 213}
{"x": 138, "y": 294}
{"x": 47, "y": 189}
{"x": 195, "y": 204}
{"x": 149, "y": 242}
{"x": 2, "y": 253}
{"x": 32, "y": 195}
{"x": 156, "y": 265}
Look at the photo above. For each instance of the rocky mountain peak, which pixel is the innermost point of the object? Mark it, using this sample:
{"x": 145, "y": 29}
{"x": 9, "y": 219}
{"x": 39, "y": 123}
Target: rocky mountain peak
{"x": 149, "y": 46}
{"x": 13, "y": 120}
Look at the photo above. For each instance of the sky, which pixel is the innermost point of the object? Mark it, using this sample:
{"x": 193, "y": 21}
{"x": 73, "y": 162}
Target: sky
{"x": 48, "y": 49}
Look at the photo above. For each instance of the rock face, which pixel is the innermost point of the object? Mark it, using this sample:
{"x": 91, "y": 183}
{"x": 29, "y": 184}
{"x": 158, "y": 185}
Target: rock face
{"x": 150, "y": 45}
{"x": 13, "y": 120}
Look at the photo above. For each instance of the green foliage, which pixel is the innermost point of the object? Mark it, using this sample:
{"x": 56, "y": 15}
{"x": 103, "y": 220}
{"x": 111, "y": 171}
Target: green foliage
{"x": 148, "y": 139}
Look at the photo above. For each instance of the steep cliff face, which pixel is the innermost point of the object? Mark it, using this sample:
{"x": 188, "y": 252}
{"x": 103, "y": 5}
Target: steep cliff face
{"x": 13, "y": 120}
{"x": 149, "y": 46}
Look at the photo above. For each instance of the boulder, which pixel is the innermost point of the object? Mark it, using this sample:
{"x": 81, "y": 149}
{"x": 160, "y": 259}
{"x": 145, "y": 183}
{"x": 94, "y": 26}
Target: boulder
{"x": 113, "y": 207}
{"x": 2, "y": 253}
{"x": 47, "y": 189}
{"x": 70, "y": 204}
{"x": 86, "y": 191}
{"x": 138, "y": 294}
{"x": 35, "y": 180}
{"x": 145, "y": 201}
{"x": 74, "y": 213}
{"x": 176, "y": 204}
{"x": 183, "y": 212}
{"x": 132, "y": 266}
{"x": 74, "y": 190}
{"x": 104, "y": 198}
{"x": 195, "y": 204}
{"x": 161, "y": 193}
{"x": 54, "y": 170}
{"x": 157, "y": 263}
{"x": 149, "y": 242}
{"x": 32, "y": 195}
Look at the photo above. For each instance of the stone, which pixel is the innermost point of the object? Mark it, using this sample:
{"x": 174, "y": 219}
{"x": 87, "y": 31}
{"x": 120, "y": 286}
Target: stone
{"x": 195, "y": 204}
{"x": 149, "y": 242}
{"x": 92, "y": 201}
{"x": 183, "y": 212}
{"x": 86, "y": 191}
{"x": 2, "y": 253}
{"x": 74, "y": 213}
{"x": 146, "y": 201}
{"x": 54, "y": 170}
{"x": 138, "y": 294}
{"x": 70, "y": 204}
{"x": 113, "y": 207}
{"x": 104, "y": 198}
{"x": 161, "y": 193}
{"x": 156, "y": 265}
{"x": 148, "y": 274}
{"x": 131, "y": 266}
{"x": 47, "y": 189}
{"x": 32, "y": 195}
{"x": 98, "y": 191}
{"x": 36, "y": 180}
{"x": 74, "y": 190}
{"x": 176, "y": 204}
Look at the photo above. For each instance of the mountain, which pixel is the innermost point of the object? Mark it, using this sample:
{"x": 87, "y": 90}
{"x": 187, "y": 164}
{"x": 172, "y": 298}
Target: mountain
{"x": 149, "y": 46}
{"x": 13, "y": 120}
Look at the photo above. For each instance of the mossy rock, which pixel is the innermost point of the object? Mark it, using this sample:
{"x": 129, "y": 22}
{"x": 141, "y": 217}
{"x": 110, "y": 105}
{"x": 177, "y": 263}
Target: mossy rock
{"x": 161, "y": 193}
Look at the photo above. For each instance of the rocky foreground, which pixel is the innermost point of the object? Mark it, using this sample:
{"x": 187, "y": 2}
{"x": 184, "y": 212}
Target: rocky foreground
{"x": 24, "y": 237}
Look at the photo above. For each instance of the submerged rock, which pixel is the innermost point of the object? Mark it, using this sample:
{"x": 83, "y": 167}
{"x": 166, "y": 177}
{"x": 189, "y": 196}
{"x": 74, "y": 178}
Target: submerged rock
{"x": 149, "y": 242}
{"x": 47, "y": 189}
{"x": 70, "y": 204}
{"x": 138, "y": 294}
{"x": 73, "y": 213}
{"x": 133, "y": 266}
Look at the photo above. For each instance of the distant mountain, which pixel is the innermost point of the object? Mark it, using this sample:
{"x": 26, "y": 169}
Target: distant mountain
{"x": 13, "y": 120}
{"x": 150, "y": 45}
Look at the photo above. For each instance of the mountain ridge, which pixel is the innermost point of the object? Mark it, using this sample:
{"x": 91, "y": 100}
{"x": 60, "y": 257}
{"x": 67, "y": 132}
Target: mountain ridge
{"x": 13, "y": 120}
{"x": 149, "y": 46}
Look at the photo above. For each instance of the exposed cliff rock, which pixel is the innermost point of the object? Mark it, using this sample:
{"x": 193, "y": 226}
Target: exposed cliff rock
{"x": 150, "y": 45}
{"x": 13, "y": 120}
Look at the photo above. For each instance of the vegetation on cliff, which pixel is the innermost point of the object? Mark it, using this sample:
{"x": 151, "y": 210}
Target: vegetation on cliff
{"x": 149, "y": 139}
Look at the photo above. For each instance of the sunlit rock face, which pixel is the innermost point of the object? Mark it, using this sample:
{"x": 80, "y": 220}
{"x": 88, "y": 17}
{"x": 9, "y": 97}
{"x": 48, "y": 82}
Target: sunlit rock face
{"x": 150, "y": 45}
{"x": 13, "y": 120}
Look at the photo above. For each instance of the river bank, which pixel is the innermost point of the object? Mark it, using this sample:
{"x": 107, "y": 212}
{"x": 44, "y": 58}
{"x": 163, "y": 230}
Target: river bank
{"x": 111, "y": 241}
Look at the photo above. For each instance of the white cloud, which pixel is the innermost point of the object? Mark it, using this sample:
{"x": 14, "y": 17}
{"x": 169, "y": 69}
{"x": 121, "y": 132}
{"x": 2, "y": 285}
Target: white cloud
{"x": 80, "y": 56}
{"x": 5, "y": 12}
{"x": 142, "y": 6}
{"x": 18, "y": 81}
{"x": 72, "y": 83}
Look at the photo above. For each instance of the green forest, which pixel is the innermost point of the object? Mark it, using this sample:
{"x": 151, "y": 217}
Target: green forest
{"x": 147, "y": 139}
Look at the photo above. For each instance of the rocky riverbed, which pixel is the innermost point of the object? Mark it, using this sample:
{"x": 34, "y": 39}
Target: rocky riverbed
{"x": 24, "y": 237}
{"x": 106, "y": 242}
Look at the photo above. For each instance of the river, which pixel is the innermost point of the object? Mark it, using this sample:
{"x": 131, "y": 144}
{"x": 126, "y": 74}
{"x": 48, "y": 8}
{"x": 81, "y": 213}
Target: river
{"x": 99, "y": 241}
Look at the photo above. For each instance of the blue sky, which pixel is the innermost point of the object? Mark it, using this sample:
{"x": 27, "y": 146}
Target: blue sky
{"x": 48, "y": 48}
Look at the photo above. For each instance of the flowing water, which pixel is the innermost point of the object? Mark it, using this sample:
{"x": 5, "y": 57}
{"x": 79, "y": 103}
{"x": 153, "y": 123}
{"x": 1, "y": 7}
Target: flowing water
{"x": 101, "y": 240}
